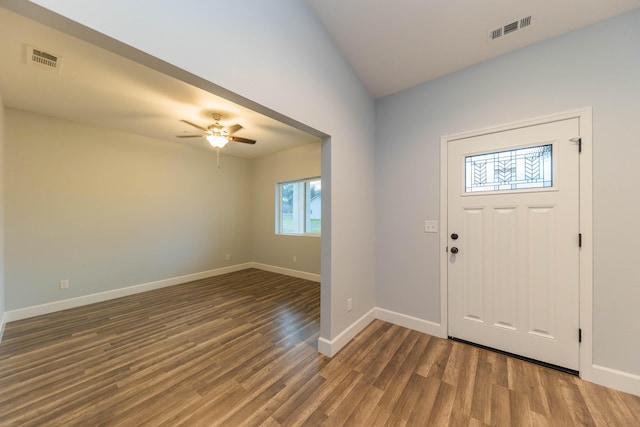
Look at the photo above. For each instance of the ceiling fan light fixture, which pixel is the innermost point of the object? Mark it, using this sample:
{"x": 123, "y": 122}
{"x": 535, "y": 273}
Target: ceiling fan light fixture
{"x": 217, "y": 141}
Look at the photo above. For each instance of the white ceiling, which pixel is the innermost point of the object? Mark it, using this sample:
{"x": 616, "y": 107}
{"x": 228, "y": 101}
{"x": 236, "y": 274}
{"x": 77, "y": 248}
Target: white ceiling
{"x": 392, "y": 46}
{"x": 397, "y": 45}
{"x": 101, "y": 88}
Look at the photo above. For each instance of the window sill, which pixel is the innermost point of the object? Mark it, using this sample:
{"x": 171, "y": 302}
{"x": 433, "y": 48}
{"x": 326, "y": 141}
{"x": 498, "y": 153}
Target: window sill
{"x": 299, "y": 234}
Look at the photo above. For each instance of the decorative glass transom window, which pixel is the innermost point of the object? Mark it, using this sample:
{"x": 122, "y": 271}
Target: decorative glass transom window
{"x": 523, "y": 168}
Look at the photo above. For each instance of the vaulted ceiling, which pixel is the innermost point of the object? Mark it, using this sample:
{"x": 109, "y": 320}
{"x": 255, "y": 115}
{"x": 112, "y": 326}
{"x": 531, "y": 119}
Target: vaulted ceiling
{"x": 397, "y": 45}
{"x": 98, "y": 87}
{"x": 391, "y": 45}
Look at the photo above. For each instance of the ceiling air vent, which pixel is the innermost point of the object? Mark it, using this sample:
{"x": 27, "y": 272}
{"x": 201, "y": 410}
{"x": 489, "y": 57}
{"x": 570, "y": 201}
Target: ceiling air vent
{"x": 44, "y": 60}
{"x": 495, "y": 33}
{"x": 511, "y": 27}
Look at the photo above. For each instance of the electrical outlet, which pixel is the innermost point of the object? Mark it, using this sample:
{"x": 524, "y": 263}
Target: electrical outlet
{"x": 349, "y": 304}
{"x": 227, "y": 257}
{"x": 431, "y": 226}
{"x": 64, "y": 284}
{"x": 295, "y": 258}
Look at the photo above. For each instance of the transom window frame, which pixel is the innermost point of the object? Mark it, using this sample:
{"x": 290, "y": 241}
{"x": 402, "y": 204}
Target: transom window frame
{"x": 554, "y": 171}
{"x": 278, "y": 208}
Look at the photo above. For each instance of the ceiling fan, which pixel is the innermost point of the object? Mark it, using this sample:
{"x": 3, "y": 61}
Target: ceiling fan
{"x": 217, "y": 135}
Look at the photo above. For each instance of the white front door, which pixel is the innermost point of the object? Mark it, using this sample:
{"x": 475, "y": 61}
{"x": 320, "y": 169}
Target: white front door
{"x": 513, "y": 254}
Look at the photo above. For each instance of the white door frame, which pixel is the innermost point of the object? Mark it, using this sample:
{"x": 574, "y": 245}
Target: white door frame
{"x": 584, "y": 116}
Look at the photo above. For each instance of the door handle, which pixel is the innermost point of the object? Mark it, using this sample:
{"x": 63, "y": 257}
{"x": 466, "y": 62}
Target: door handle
{"x": 454, "y": 250}
{"x": 454, "y": 236}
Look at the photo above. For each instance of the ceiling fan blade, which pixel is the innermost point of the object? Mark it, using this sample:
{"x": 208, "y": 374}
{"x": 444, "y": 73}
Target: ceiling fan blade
{"x": 194, "y": 125}
{"x": 243, "y": 140}
{"x": 234, "y": 128}
{"x": 189, "y": 136}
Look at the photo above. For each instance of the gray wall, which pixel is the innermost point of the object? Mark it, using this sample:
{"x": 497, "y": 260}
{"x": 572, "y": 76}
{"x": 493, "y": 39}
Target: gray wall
{"x": 268, "y": 247}
{"x": 597, "y": 66}
{"x": 106, "y": 209}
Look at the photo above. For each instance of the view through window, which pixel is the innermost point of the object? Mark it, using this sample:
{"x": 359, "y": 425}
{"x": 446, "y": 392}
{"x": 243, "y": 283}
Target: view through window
{"x": 299, "y": 206}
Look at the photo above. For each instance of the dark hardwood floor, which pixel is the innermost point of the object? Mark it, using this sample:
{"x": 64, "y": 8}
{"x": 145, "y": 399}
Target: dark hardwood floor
{"x": 240, "y": 349}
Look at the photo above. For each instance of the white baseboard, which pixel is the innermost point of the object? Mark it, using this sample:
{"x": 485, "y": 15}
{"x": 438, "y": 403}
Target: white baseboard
{"x": 286, "y": 271}
{"x": 37, "y": 310}
{"x": 410, "y": 322}
{"x": 612, "y": 378}
{"x": 3, "y": 321}
{"x": 332, "y": 347}
{"x": 620, "y": 380}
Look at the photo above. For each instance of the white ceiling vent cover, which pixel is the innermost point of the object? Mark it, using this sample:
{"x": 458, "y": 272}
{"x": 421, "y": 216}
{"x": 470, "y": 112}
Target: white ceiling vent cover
{"x": 43, "y": 60}
{"x": 511, "y": 27}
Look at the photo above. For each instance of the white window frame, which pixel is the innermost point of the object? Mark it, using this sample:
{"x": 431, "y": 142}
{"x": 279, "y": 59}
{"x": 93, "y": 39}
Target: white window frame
{"x": 300, "y": 212}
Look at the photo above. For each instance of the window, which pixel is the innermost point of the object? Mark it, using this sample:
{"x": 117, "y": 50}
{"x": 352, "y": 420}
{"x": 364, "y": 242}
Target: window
{"x": 509, "y": 170}
{"x": 298, "y": 206}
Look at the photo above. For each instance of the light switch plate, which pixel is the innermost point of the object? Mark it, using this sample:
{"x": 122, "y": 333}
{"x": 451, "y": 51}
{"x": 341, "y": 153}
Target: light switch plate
{"x": 431, "y": 226}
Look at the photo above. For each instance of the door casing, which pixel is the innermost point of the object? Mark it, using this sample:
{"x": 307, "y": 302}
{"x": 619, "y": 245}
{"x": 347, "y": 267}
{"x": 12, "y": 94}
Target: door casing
{"x": 584, "y": 116}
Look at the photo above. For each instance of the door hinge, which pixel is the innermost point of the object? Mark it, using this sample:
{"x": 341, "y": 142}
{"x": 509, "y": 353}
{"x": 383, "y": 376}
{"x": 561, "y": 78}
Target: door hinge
{"x": 579, "y": 240}
{"x": 579, "y": 334}
{"x": 578, "y": 140}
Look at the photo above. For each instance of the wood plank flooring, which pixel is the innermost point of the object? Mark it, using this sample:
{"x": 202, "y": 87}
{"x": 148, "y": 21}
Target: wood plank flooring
{"x": 240, "y": 349}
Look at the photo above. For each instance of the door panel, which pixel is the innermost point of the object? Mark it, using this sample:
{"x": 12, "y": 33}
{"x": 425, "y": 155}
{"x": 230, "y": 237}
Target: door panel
{"x": 505, "y": 267}
{"x": 513, "y": 284}
{"x": 541, "y": 272}
{"x": 474, "y": 291}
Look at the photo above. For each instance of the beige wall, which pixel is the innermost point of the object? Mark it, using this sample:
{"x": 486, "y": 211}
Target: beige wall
{"x": 268, "y": 247}
{"x": 300, "y": 74}
{"x": 106, "y": 209}
{"x": 2, "y": 286}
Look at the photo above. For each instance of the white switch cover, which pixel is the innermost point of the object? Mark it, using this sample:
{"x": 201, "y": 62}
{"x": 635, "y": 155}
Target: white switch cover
{"x": 431, "y": 226}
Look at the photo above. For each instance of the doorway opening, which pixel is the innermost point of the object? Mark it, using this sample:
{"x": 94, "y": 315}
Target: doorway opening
{"x": 187, "y": 87}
